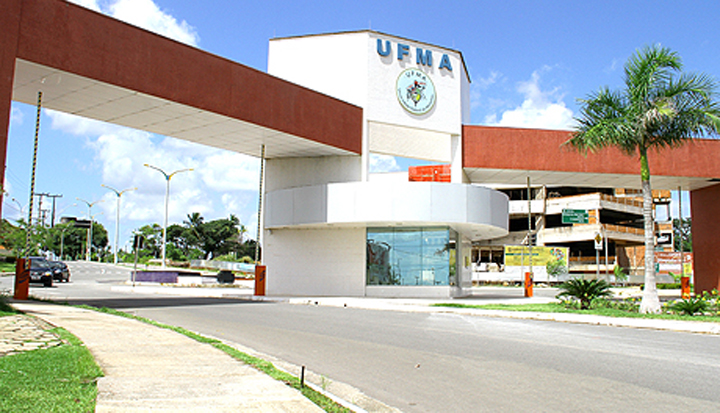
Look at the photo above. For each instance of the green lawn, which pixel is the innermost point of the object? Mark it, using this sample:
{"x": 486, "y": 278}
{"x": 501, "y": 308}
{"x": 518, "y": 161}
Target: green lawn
{"x": 5, "y": 308}
{"x": 560, "y": 308}
{"x": 58, "y": 379}
{"x": 7, "y": 267}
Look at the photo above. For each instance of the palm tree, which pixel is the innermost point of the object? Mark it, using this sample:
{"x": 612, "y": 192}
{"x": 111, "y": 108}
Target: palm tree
{"x": 659, "y": 107}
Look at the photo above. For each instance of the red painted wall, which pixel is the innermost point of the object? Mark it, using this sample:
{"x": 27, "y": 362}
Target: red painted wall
{"x": 9, "y": 22}
{"x": 705, "y": 208}
{"x": 543, "y": 150}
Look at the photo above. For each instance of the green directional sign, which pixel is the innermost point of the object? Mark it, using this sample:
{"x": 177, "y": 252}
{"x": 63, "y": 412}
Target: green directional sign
{"x": 575, "y": 216}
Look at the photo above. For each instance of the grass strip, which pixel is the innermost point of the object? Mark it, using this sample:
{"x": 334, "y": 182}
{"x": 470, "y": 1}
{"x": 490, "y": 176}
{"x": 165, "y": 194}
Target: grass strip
{"x": 266, "y": 367}
{"x": 57, "y": 379}
{"x": 5, "y": 308}
{"x": 559, "y": 308}
{"x": 7, "y": 267}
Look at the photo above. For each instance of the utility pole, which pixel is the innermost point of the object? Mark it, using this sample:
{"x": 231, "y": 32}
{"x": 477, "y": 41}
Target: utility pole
{"x": 52, "y": 217}
{"x": 40, "y": 196}
{"x": 41, "y": 212}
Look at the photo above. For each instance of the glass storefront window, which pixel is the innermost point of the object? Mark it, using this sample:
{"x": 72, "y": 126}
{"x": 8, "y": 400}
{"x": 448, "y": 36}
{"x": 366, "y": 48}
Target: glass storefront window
{"x": 411, "y": 256}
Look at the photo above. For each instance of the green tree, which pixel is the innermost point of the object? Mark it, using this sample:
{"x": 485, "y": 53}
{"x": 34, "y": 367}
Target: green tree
{"x": 682, "y": 234}
{"x": 659, "y": 107}
{"x": 12, "y": 236}
{"x": 220, "y": 236}
{"x": 152, "y": 244}
{"x": 194, "y": 234}
{"x": 71, "y": 240}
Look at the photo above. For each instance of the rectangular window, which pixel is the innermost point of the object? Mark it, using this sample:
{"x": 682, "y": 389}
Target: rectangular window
{"x": 411, "y": 256}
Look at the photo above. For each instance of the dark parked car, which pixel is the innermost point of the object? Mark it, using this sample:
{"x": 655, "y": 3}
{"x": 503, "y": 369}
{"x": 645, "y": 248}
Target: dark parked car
{"x": 60, "y": 271}
{"x": 40, "y": 271}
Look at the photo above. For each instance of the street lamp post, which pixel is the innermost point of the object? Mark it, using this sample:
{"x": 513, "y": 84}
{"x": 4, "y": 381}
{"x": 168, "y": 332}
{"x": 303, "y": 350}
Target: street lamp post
{"x": 89, "y": 234}
{"x": 62, "y": 242}
{"x": 20, "y": 207}
{"x": 117, "y": 216}
{"x": 167, "y": 197}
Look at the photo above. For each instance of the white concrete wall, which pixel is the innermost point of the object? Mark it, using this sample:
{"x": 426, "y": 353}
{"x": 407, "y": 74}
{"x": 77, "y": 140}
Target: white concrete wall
{"x": 348, "y": 66}
{"x": 333, "y": 64}
{"x": 476, "y": 212}
{"x": 315, "y": 262}
{"x": 382, "y": 103}
{"x": 283, "y": 173}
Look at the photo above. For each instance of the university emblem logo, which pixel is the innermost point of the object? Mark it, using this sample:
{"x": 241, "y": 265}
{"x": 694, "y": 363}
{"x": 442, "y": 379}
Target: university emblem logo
{"x": 415, "y": 91}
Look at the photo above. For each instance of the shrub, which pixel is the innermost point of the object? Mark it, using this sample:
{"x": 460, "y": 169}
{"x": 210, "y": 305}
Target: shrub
{"x": 713, "y": 300}
{"x": 620, "y": 274}
{"x": 4, "y": 305}
{"x": 584, "y": 291}
{"x": 689, "y": 306}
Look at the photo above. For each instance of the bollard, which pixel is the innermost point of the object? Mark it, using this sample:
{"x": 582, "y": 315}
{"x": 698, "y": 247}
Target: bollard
{"x": 22, "y": 279}
{"x": 685, "y": 287}
{"x": 528, "y": 284}
{"x": 260, "y": 279}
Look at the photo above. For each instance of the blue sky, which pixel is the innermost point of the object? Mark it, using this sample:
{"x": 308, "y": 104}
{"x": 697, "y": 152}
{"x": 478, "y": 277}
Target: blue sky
{"x": 528, "y": 61}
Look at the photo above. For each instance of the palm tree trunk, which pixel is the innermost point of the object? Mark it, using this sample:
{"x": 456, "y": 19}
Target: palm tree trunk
{"x": 650, "y": 302}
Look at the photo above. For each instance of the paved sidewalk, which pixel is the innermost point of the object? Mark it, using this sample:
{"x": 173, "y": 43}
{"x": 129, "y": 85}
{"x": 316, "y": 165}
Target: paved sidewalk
{"x": 154, "y": 369}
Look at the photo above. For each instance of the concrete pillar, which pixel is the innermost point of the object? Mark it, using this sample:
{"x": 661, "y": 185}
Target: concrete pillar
{"x": 9, "y": 32}
{"x": 705, "y": 210}
{"x": 457, "y": 174}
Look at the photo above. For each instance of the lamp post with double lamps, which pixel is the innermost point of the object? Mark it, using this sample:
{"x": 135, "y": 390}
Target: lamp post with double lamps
{"x": 117, "y": 216}
{"x": 167, "y": 197}
{"x": 90, "y": 217}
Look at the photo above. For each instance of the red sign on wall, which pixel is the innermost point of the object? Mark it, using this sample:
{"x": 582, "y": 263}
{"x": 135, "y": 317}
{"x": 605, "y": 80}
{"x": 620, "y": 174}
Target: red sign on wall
{"x": 429, "y": 173}
{"x": 669, "y": 262}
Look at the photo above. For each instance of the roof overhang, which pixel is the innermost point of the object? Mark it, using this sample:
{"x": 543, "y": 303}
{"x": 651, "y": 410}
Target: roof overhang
{"x": 498, "y": 155}
{"x": 94, "y": 66}
{"x": 82, "y": 96}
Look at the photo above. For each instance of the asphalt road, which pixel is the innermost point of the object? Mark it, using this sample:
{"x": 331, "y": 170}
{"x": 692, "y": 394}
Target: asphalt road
{"x": 445, "y": 362}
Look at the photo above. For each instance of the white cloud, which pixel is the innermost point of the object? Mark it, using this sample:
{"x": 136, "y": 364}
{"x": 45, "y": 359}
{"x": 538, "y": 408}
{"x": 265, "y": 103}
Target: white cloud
{"x": 540, "y": 109}
{"x": 480, "y": 85}
{"x": 77, "y": 125}
{"x": 613, "y": 66}
{"x": 89, "y": 4}
{"x": 383, "y": 163}
{"x": 224, "y": 170}
{"x": 16, "y": 116}
{"x": 217, "y": 186}
{"x": 147, "y": 15}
